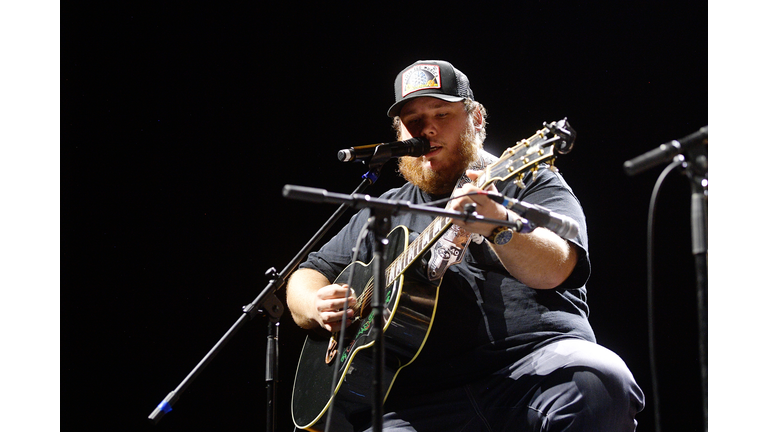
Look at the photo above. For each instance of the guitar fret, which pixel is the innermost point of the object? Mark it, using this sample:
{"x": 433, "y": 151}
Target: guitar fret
{"x": 411, "y": 254}
{"x": 437, "y": 227}
{"x": 395, "y": 269}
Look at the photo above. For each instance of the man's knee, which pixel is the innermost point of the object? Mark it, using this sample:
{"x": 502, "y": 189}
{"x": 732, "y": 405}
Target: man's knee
{"x": 604, "y": 390}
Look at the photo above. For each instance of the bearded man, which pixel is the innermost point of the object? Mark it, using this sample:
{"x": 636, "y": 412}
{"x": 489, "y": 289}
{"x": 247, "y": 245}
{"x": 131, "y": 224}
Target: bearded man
{"x": 509, "y": 347}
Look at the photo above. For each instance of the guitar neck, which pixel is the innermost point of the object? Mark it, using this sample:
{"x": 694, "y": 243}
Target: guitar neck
{"x": 425, "y": 239}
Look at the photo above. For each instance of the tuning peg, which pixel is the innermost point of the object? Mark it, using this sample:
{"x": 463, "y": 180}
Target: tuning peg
{"x": 519, "y": 182}
{"x": 534, "y": 173}
{"x": 553, "y": 168}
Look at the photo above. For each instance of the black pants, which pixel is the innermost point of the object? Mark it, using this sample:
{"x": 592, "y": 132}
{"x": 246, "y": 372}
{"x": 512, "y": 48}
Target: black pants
{"x": 569, "y": 385}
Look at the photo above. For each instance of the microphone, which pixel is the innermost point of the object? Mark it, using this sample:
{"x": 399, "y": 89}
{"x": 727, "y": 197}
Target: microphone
{"x": 411, "y": 147}
{"x": 665, "y": 152}
{"x": 561, "y": 225}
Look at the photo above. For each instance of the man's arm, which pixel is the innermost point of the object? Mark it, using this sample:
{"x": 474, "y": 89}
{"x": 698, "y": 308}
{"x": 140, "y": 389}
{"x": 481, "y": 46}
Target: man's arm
{"x": 315, "y": 302}
{"x": 540, "y": 259}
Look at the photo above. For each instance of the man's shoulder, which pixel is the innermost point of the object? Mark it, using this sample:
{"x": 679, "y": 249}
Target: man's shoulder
{"x": 402, "y": 192}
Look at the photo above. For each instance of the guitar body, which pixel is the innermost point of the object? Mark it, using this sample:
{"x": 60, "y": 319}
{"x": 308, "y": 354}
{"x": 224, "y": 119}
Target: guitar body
{"x": 410, "y": 305}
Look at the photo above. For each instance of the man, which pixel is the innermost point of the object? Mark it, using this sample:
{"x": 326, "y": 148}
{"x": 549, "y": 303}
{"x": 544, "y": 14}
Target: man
{"x": 510, "y": 347}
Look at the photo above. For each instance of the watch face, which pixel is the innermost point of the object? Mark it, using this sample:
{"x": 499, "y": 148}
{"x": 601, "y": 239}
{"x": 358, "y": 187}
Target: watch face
{"x": 503, "y": 237}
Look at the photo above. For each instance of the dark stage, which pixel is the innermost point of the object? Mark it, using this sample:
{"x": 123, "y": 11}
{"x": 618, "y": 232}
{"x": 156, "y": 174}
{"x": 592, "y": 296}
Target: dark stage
{"x": 181, "y": 123}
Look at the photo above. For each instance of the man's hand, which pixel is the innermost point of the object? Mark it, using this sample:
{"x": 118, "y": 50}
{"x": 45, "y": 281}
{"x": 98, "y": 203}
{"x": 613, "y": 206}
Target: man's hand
{"x": 485, "y": 206}
{"x": 329, "y": 306}
{"x": 314, "y": 301}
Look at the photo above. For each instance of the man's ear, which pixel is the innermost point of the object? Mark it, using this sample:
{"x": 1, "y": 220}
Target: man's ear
{"x": 478, "y": 120}
{"x": 402, "y": 132}
{"x": 397, "y": 126}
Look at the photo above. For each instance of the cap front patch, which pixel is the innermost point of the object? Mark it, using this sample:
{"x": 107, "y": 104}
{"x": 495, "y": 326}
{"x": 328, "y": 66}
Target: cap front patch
{"x": 421, "y": 77}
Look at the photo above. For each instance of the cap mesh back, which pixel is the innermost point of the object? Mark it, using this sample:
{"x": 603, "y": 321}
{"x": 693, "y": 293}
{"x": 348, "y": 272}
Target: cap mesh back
{"x": 463, "y": 85}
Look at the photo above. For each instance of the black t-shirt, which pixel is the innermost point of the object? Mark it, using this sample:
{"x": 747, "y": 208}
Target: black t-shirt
{"x": 485, "y": 318}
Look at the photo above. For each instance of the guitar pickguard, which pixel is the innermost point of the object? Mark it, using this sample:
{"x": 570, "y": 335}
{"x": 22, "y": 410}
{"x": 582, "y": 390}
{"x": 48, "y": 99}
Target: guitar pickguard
{"x": 448, "y": 250}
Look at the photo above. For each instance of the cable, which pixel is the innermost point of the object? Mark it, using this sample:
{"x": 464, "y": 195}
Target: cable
{"x": 678, "y": 161}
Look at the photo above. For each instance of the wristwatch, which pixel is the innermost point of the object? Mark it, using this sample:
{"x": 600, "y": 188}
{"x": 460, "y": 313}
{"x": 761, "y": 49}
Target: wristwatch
{"x": 500, "y": 235}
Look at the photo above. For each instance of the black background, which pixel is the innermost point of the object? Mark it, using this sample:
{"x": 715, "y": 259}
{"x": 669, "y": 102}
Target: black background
{"x": 181, "y": 122}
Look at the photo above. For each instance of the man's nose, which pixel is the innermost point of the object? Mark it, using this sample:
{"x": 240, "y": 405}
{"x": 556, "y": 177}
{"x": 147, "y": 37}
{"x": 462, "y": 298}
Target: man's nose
{"x": 428, "y": 129}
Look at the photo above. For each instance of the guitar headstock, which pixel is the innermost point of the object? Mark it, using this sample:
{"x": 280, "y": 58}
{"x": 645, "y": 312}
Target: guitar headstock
{"x": 529, "y": 153}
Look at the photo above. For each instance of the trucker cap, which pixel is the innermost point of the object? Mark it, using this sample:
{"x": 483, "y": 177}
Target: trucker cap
{"x": 432, "y": 78}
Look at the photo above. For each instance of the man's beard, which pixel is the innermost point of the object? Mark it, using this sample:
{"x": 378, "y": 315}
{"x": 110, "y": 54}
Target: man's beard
{"x": 443, "y": 182}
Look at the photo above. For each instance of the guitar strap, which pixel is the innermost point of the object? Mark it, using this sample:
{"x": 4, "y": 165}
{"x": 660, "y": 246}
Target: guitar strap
{"x": 450, "y": 248}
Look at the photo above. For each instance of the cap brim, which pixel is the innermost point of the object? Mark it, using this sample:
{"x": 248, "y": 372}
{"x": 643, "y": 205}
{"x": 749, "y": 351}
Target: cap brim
{"x": 394, "y": 110}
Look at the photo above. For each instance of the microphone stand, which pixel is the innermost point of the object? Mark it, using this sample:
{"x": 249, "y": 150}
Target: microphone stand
{"x": 696, "y": 170}
{"x": 382, "y": 210}
{"x": 694, "y": 153}
{"x": 267, "y": 303}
